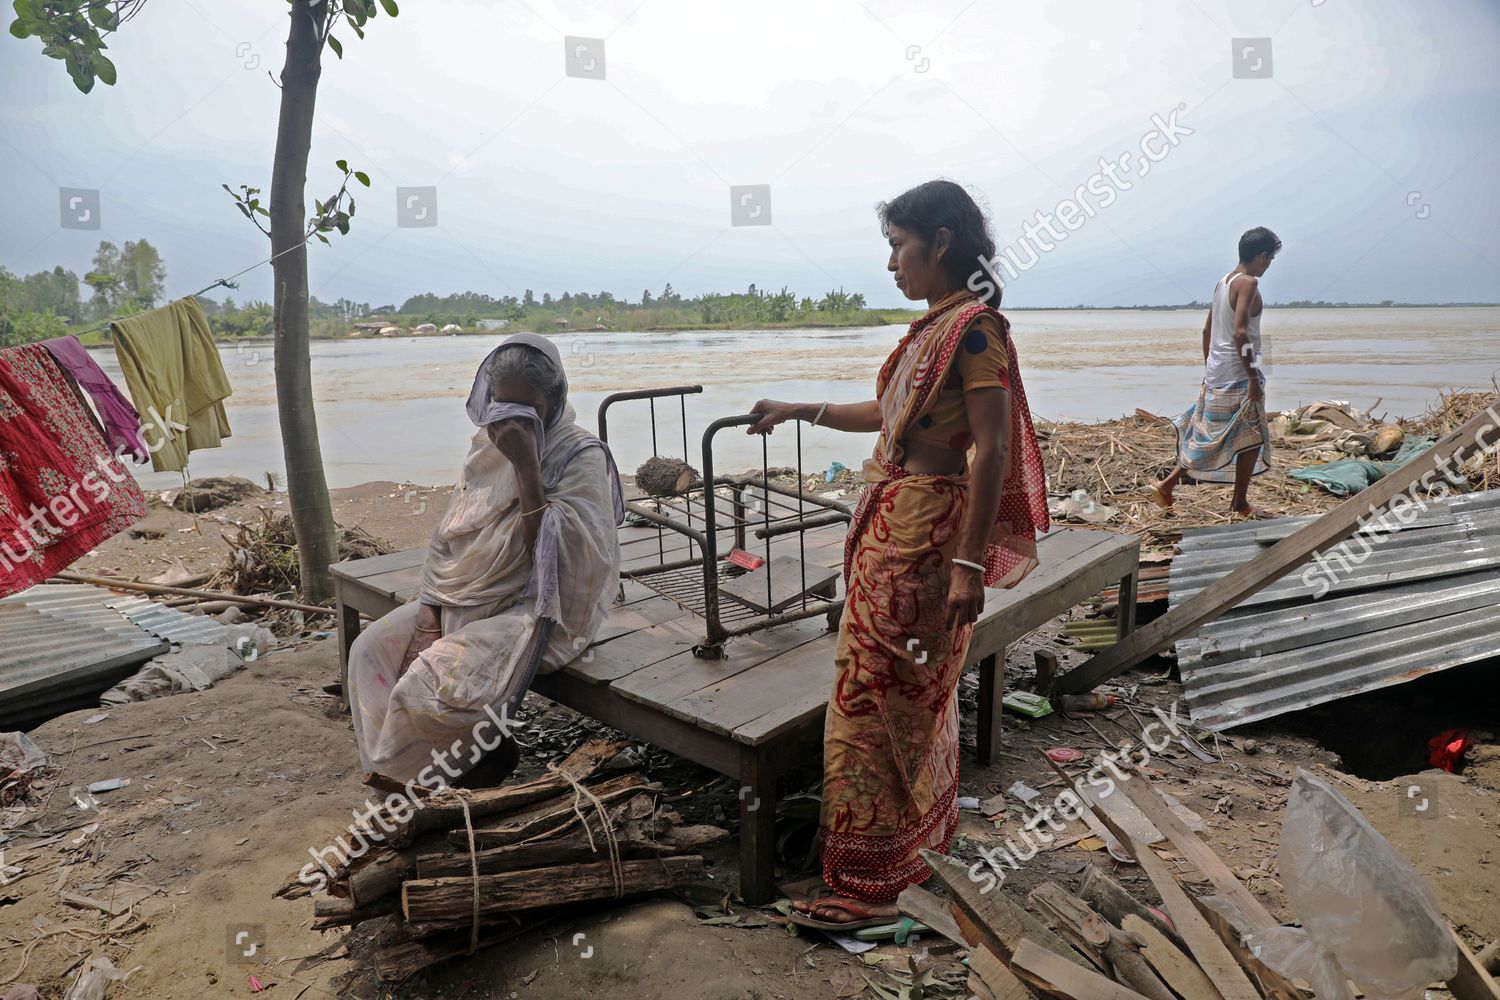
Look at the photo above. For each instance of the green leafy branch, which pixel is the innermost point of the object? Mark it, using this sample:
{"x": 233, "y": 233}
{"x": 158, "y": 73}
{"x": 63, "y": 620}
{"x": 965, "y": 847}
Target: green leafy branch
{"x": 331, "y": 215}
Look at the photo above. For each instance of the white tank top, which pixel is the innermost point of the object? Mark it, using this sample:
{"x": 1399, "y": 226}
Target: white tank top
{"x": 1224, "y": 368}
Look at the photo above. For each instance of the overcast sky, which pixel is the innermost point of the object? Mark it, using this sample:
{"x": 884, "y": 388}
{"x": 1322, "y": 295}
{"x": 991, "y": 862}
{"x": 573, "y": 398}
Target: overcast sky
{"x": 1370, "y": 148}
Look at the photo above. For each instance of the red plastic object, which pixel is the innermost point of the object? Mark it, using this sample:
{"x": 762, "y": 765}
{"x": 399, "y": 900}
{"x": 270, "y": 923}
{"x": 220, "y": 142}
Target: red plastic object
{"x": 1063, "y": 755}
{"x": 1446, "y": 750}
{"x": 744, "y": 560}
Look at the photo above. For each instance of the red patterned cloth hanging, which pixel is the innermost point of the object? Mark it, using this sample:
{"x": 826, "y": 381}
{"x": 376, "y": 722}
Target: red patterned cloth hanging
{"x": 61, "y": 490}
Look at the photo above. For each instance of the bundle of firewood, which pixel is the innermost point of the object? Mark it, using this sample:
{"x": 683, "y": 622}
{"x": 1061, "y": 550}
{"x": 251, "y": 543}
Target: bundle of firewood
{"x": 1103, "y": 944}
{"x": 472, "y": 868}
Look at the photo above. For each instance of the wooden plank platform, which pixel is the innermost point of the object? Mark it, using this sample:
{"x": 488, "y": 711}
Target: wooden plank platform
{"x": 760, "y": 708}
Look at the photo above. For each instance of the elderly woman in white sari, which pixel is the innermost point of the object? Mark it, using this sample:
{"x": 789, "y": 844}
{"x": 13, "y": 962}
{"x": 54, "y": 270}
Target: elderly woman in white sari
{"x": 520, "y": 574}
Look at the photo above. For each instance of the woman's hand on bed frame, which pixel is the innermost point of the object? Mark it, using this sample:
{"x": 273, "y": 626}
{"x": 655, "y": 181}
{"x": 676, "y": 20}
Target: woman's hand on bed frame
{"x": 856, "y": 417}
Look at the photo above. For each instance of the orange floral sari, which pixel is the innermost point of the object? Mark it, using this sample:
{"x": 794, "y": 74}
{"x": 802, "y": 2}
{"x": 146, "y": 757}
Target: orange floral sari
{"x": 890, "y": 783}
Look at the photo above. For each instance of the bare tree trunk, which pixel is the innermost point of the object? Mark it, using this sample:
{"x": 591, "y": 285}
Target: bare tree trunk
{"x": 307, "y": 488}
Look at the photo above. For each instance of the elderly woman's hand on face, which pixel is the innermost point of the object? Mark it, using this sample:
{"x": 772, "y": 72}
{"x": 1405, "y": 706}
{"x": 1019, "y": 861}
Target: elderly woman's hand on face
{"x": 515, "y": 440}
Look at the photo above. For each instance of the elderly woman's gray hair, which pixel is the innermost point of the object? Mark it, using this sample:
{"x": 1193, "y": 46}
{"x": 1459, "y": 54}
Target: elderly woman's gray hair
{"x": 531, "y": 366}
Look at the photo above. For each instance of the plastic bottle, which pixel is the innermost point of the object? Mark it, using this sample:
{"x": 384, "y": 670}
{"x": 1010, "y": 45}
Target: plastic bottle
{"x": 1093, "y": 702}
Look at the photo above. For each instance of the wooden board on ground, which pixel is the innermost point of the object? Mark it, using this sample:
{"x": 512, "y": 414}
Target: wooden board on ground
{"x": 1212, "y": 956}
{"x": 1277, "y": 560}
{"x": 1175, "y": 968}
{"x": 788, "y": 579}
{"x": 1471, "y": 982}
{"x": 1001, "y": 923}
{"x": 1149, "y": 801}
{"x": 1232, "y": 926}
{"x": 919, "y": 904}
{"x": 1000, "y": 981}
{"x": 1055, "y": 974}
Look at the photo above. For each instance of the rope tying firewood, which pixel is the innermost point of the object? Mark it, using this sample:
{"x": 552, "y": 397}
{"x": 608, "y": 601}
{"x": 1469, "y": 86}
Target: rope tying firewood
{"x": 463, "y": 800}
{"x": 579, "y": 794}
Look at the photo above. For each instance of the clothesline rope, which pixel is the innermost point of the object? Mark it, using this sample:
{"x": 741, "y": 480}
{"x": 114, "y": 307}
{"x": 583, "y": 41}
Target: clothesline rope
{"x": 228, "y": 282}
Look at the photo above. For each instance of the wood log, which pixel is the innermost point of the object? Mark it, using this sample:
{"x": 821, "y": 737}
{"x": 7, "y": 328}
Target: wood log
{"x": 382, "y": 877}
{"x": 1175, "y": 967}
{"x": 978, "y": 989}
{"x": 1001, "y": 923}
{"x": 333, "y": 911}
{"x": 444, "y": 810}
{"x": 1128, "y": 966}
{"x": 399, "y": 962}
{"x": 563, "y": 849}
{"x": 550, "y": 817}
{"x": 1066, "y": 914}
{"x": 1054, "y": 974}
{"x": 450, "y": 900}
{"x": 1112, "y": 902}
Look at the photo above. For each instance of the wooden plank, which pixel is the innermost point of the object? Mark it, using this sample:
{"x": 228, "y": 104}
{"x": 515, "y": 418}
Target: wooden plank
{"x": 1279, "y": 559}
{"x": 1149, "y": 801}
{"x": 682, "y": 738}
{"x": 358, "y": 569}
{"x": 1053, "y": 588}
{"x": 397, "y": 584}
{"x": 785, "y": 577}
{"x": 1002, "y": 925}
{"x": 1471, "y": 982}
{"x": 1056, "y": 974}
{"x": 724, "y": 707}
{"x": 633, "y": 617}
{"x": 1231, "y": 926}
{"x": 1001, "y": 982}
{"x": 919, "y": 904}
{"x": 811, "y": 704}
{"x": 680, "y": 675}
{"x": 1179, "y": 971}
{"x": 1212, "y": 956}
{"x": 619, "y": 656}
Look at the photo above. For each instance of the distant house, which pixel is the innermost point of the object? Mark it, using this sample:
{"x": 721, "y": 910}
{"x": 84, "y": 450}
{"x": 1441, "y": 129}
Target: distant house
{"x": 560, "y": 323}
{"x": 491, "y": 325}
{"x": 424, "y": 330}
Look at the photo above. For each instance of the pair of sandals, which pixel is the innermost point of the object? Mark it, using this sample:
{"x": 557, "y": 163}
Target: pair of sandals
{"x": 1252, "y": 514}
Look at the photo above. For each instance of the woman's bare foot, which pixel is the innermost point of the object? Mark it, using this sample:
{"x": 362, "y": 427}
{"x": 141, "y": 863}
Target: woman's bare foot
{"x": 843, "y": 910}
{"x": 1249, "y": 512}
{"x": 1162, "y": 494}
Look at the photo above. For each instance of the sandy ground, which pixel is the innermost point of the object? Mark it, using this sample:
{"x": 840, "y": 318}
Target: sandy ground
{"x": 230, "y": 788}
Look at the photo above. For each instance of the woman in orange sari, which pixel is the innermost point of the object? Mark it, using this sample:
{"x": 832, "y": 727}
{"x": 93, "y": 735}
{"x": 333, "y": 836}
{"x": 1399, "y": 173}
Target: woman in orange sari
{"x": 956, "y": 495}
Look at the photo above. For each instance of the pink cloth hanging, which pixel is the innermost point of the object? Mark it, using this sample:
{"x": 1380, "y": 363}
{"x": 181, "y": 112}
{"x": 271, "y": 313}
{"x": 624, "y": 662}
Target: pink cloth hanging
{"x": 122, "y": 424}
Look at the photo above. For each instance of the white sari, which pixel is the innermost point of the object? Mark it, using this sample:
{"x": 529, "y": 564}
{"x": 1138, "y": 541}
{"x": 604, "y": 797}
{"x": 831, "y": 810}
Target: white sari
{"x": 482, "y": 578}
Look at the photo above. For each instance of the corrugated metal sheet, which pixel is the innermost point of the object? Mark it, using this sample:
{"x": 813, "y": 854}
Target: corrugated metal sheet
{"x": 61, "y": 645}
{"x": 1426, "y": 598}
{"x": 169, "y": 623}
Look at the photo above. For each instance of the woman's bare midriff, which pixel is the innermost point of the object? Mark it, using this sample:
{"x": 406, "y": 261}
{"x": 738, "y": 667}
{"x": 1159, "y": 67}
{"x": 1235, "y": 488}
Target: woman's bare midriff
{"x": 931, "y": 460}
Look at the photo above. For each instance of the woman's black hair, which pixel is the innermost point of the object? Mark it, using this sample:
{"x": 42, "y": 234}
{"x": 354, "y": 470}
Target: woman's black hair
{"x": 941, "y": 204}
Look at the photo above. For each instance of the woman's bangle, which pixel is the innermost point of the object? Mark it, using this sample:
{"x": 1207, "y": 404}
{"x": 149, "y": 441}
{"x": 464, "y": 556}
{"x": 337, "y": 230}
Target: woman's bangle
{"x": 966, "y": 563}
{"x": 437, "y": 631}
{"x": 528, "y": 513}
{"x": 821, "y": 410}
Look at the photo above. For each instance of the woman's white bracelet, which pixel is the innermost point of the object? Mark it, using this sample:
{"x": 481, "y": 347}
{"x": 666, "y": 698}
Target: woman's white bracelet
{"x": 821, "y": 410}
{"x": 965, "y": 562}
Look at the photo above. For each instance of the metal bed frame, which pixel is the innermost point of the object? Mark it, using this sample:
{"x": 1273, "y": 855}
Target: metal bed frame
{"x": 743, "y": 504}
